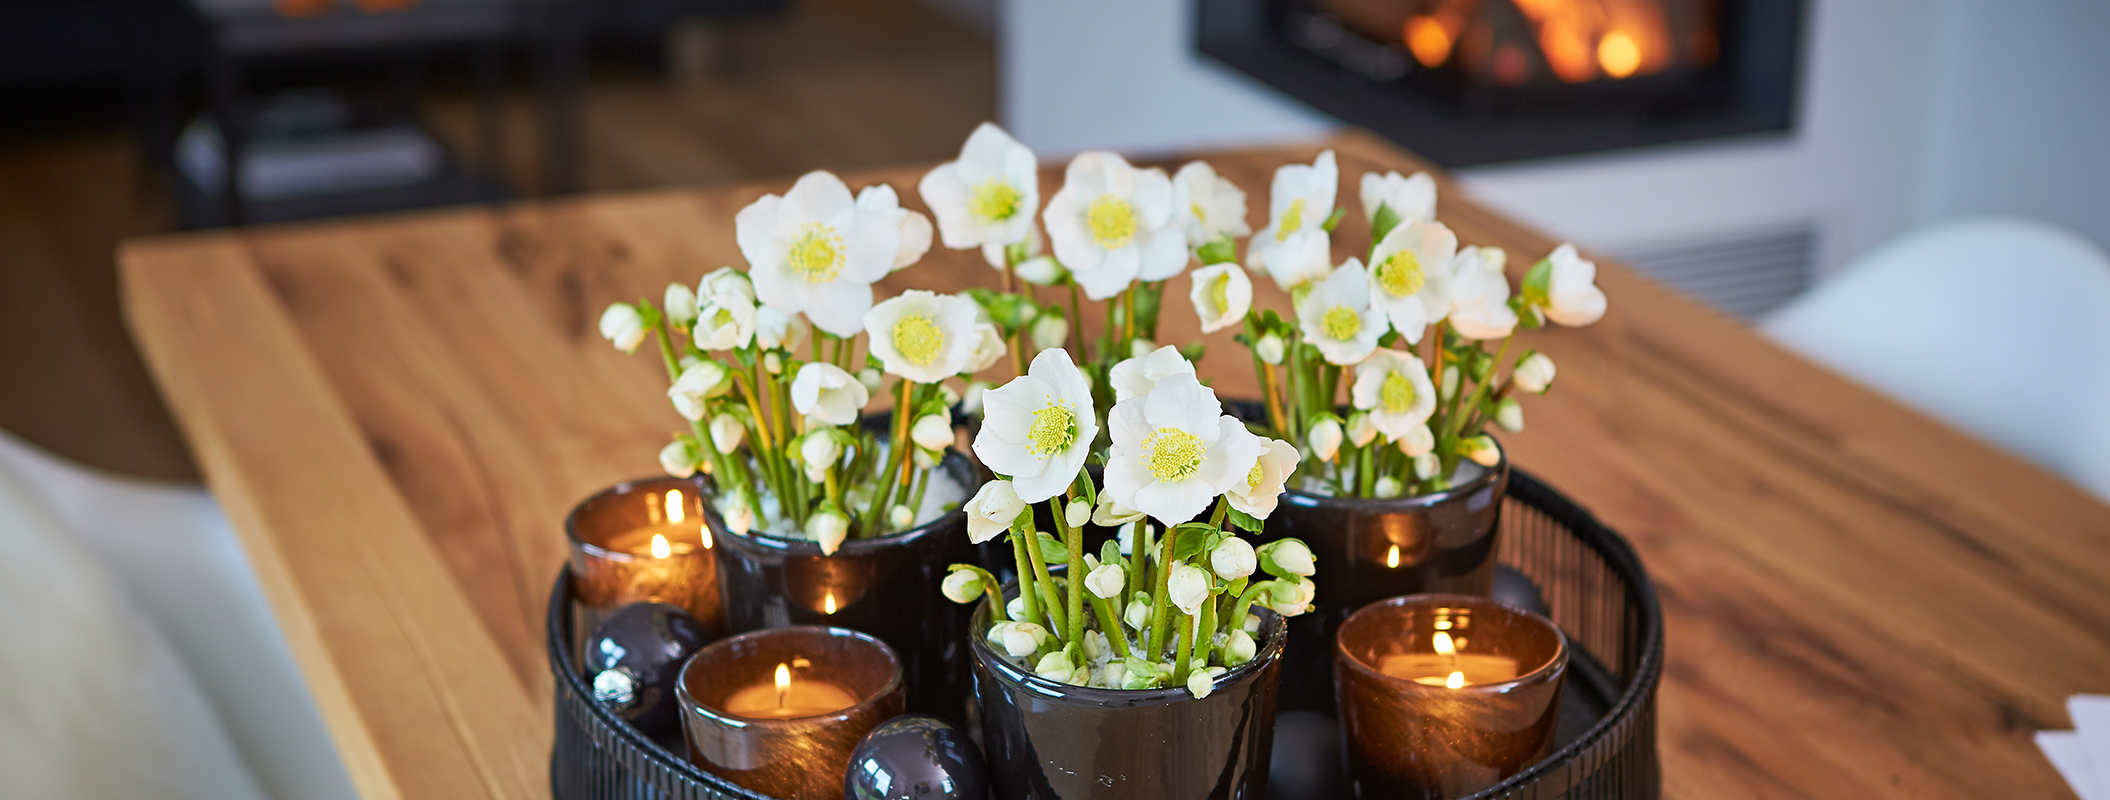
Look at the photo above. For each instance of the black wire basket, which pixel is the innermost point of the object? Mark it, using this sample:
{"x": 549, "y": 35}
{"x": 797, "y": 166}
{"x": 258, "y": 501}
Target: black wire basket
{"x": 1554, "y": 557}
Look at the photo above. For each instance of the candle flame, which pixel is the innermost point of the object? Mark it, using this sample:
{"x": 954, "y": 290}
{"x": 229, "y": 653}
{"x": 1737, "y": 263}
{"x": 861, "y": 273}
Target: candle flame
{"x": 783, "y": 683}
{"x": 1619, "y": 54}
{"x": 1392, "y": 557}
{"x": 828, "y": 603}
{"x": 1443, "y": 644}
{"x": 659, "y": 546}
{"x": 676, "y": 512}
{"x": 1456, "y": 680}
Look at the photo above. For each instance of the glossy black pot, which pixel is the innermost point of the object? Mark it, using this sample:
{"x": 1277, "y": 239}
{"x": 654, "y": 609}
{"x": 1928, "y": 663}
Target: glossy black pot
{"x": 1367, "y": 550}
{"x": 1047, "y": 740}
{"x": 887, "y": 587}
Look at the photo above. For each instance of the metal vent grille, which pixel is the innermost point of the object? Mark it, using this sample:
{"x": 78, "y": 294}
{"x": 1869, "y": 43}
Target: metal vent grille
{"x": 1745, "y": 274}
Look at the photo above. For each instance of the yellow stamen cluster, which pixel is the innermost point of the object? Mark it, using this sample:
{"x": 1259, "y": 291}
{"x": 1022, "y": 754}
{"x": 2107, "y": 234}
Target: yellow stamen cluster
{"x": 1400, "y": 275}
{"x": 818, "y": 254}
{"x": 1220, "y": 293}
{"x": 1172, "y": 454}
{"x": 1292, "y": 219}
{"x": 1053, "y": 430}
{"x": 1341, "y": 323}
{"x": 994, "y": 201}
{"x": 1254, "y": 476}
{"x": 1396, "y": 394}
{"x": 918, "y": 338}
{"x": 1112, "y": 220}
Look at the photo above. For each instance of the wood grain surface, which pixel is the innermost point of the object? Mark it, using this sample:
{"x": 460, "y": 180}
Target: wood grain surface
{"x": 396, "y": 413}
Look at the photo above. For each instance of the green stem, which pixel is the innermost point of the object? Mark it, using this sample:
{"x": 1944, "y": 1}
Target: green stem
{"x": 1040, "y": 572}
{"x": 1480, "y": 387}
{"x": 1077, "y": 321}
{"x": 1185, "y": 650}
{"x": 1110, "y": 624}
{"x": 1072, "y": 541}
{"x": 1159, "y": 608}
{"x": 1246, "y": 601}
{"x": 990, "y": 590}
{"x": 1029, "y": 598}
{"x": 1206, "y": 635}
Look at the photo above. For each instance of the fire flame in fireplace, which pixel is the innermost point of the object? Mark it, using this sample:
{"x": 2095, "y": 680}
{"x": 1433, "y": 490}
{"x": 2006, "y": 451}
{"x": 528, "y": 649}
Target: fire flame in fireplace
{"x": 1572, "y": 41}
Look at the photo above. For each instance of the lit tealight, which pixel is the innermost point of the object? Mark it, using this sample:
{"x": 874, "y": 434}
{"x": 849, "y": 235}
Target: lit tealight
{"x": 659, "y": 546}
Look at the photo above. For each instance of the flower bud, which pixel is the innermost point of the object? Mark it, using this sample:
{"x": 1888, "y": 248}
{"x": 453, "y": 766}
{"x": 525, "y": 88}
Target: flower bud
{"x": 871, "y": 378}
{"x": 1450, "y": 382}
{"x": 678, "y": 458}
{"x": 1387, "y": 486}
{"x": 1239, "y": 648}
{"x": 1270, "y": 349}
{"x": 1418, "y": 440}
{"x": 1055, "y": 666}
{"x": 1096, "y": 648}
{"x": 727, "y": 433}
{"x": 1050, "y": 331}
{"x": 828, "y": 527}
{"x": 1107, "y": 581}
{"x": 1483, "y": 451}
{"x": 1291, "y": 599}
{"x": 1361, "y": 430}
{"x": 1233, "y": 559}
{"x": 774, "y": 362}
{"x": 1077, "y": 513}
{"x": 932, "y": 431}
{"x": 1426, "y": 465}
{"x": 1137, "y": 614}
{"x": 1110, "y": 513}
{"x": 1187, "y": 588}
{"x": 1039, "y": 271}
{"x": 623, "y": 325}
{"x": 1509, "y": 415}
{"x": 1534, "y": 374}
{"x": 1288, "y": 557}
{"x": 900, "y": 516}
{"x": 1141, "y": 348}
{"x": 1113, "y": 675}
{"x": 1325, "y": 438}
{"x": 739, "y": 513}
{"x": 971, "y": 402}
{"x": 1203, "y": 681}
{"x": 1017, "y": 639}
{"x": 819, "y": 449}
{"x": 680, "y": 305}
{"x": 992, "y": 510}
{"x": 1016, "y": 607}
{"x": 962, "y": 586}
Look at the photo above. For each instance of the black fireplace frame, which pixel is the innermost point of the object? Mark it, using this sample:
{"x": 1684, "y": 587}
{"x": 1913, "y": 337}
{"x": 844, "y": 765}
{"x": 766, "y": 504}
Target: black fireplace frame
{"x": 1750, "y": 90}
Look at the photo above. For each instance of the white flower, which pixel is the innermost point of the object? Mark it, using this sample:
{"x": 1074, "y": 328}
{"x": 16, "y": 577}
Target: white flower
{"x": 914, "y": 228}
{"x": 1572, "y": 296}
{"x": 931, "y": 431}
{"x": 829, "y": 528}
{"x": 1203, "y": 681}
{"x": 1412, "y": 198}
{"x": 820, "y": 451}
{"x": 1096, "y": 648}
{"x": 924, "y": 337}
{"x": 1106, "y": 581}
{"x": 815, "y": 251}
{"x": 1270, "y": 348}
{"x": 777, "y": 330}
{"x": 1187, "y": 587}
{"x": 623, "y": 325}
{"x": 1017, "y": 639}
{"x": 1016, "y": 607}
{"x": 992, "y": 510}
{"x": 1038, "y": 428}
{"x": 1141, "y": 346}
{"x": 1222, "y": 295}
{"x": 1264, "y": 482}
{"x": 1134, "y": 377}
{"x": 1294, "y": 247}
{"x": 1480, "y": 295}
{"x": 1137, "y": 614}
{"x": 1509, "y": 415}
{"x": 825, "y": 392}
{"x": 723, "y": 280}
{"x": 1040, "y": 271}
{"x": 1049, "y": 331}
{"x": 1395, "y": 388}
{"x": 900, "y": 516}
{"x": 739, "y": 513}
{"x": 1288, "y": 556}
{"x": 1426, "y": 465}
{"x": 680, "y": 305}
{"x": 1387, "y": 486}
{"x": 1239, "y": 648}
{"x": 678, "y": 458}
{"x": 1534, "y": 374}
{"x": 988, "y": 347}
{"x": 1205, "y": 206}
{"x": 1361, "y": 431}
{"x": 1482, "y": 450}
{"x": 1418, "y": 440}
{"x": 1109, "y": 514}
{"x": 1324, "y": 438}
{"x": 726, "y": 433}
{"x": 1234, "y": 558}
{"x": 1174, "y": 450}
{"x": 1410, "y": 276}
{"x": 1111, "y": 224}
{"x": 1291, "y": 599}
{"x": 971, "y": 401}
{"x": 1337, "y": 318}
{"x": 1055, "y": 667}
{"x": 989, "y": 195}
{"x": 961, "y": 586}
{"x": 725, "y": 322}
{"x": 1076, "y": 514}
{"x": 871, "y": 378}
{"x": 701, "y": 380}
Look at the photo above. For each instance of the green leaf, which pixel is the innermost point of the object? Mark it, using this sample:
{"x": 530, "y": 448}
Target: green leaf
{"x": 1334, "y": 221}
{"x": 1246, "y": 521}
{"x": 1389, "y": 339}
{"x": 1193, "y": 351}
{"x": 1538, "y": 283}
{"x": 1110, "y": 552}
{"x": 1528, "y": 316}
{"x": 1383, "y": 223}
{"x": 1052, "y": 549}
{"x": 1217, "y": 252}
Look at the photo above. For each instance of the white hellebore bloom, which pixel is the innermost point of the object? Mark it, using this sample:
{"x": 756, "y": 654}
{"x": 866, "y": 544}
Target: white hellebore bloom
{"x": 1135, "y": 377}
{"x": 1050, "y": 330}
{"x": 1111, "y": 224}
{"x": 678, "y": 458}
{"x": 1534, "y": 374}
{"x": 1419, "y": 440}
{"x": 1265, "y": 481}
{"x": 1480, "y": 295}
{"x": 961, "y": 586}
{"x": 1509, "y": 415}
{"x": 913, "y": 226}
{"x": 1187, "y": 587}
{"x": 825, "y": 392}
{"x": 1203, "y": 681}
{"x": 1291, "y": 599}
{"x": 1106, "y": 581}
{"x": 1410, "y": 275}
{"x": 723, "y": 280}
{"x": 989, "y": 346}
{"x": 1222, "y": 295}
{"x": 931, "y": 432}
{"x": 820, "y": 451}
{"x": 924, "y": 337}
{"x": 739, "y": 512}
{"x": 1270, "y": 348}
{"x": 777, "y": 330}
{"x": 680, "y": 305}
{"x": 816, "y": 251}
{"x": 1233, "y": 559}
{"x": 1038, "y": 428}
{"x": 1482, "y": 450}
{"x": 1205, "y": 206}
{"x": 1174, "y": 451}
{"x": 829, "y": 528}
{"x": 1572, "y": 296}
{"x": 700, "y": 381}
{"x": 725, "y": 322}
{"x": 1294, "y": 247}
{"x": 1292, "y": 556}
{"x": 1395, "y": 389}
{"x": 1324, "y": 438}
{"x": 1337, "y": 317}
{"x": 1361, "y": 431}
{"x": 726, "y": 433}
{"x": 623, "y": 325}
{"x": 1412, "y": 198}
{"x": 1017, "y": 639}
{"x": 992, "y": 510}
{"x": 989, "y": 195}
{"x": 1239, "y": 648}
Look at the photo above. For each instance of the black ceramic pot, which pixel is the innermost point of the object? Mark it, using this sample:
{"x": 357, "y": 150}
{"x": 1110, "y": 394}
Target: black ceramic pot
{"x": 1049, "y": 740}
{"x": 887, "y": 587}
{"x": 1367, "y": 550}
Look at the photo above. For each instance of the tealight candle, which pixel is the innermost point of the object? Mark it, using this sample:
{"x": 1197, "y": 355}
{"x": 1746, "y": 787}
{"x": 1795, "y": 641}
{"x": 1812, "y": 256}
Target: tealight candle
{"x": 645, "y": 541}
{"x": 780, "y": 710}
{"x": 1445, "y": 695}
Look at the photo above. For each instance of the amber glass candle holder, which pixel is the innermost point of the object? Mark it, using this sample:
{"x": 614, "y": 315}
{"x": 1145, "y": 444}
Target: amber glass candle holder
{"x": 779, "y": 710}
{"x": 1443, "y": 695}
{"x": 645, "y": 541}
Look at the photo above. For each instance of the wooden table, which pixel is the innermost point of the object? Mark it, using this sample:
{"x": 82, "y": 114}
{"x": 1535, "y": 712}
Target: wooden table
{"x": 397, "y": 412}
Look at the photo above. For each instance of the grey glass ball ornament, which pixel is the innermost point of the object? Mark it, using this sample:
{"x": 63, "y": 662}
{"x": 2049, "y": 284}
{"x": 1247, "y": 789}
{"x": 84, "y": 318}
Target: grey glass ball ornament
{"x": 916, "y": 757}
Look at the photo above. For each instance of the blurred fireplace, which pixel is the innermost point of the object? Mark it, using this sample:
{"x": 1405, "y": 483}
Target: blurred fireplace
{"x": 1468, "y": 82}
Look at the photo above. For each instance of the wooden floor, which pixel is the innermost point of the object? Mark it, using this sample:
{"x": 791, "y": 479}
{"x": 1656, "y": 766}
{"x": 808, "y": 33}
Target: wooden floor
{"x": 834, "y": 84}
